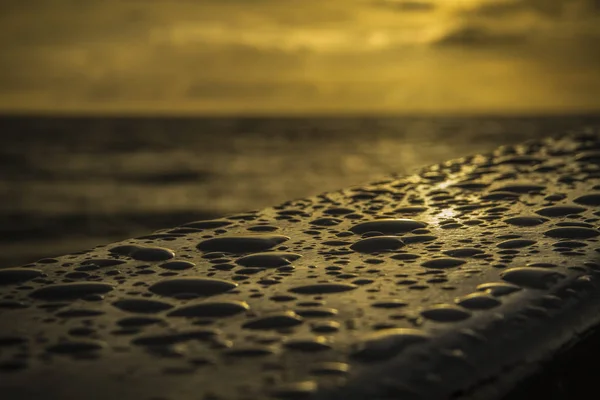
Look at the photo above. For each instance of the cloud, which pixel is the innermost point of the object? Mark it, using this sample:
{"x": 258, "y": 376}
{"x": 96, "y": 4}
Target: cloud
{"x": 479, "y": 36}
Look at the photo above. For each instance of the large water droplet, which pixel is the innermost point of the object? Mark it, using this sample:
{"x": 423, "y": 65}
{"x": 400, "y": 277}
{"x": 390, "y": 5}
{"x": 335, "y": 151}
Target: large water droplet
{"x": 516, "y": 243}
{"x": 268, "y": 260}
{"x": 560, "y": 211}
{"x": 192, "y": 285}
{"x": 572, "y": 233}
{"x": 141, "y": 305}
{"x": 377, "y": 244}
{"x": 142, "y": 253}
{"x": 242, "y": 244}
{"x": 388, "y": 226}
{"x": 63, "y": 291}
{"x": 286, "y": 319}
{"x": 478, "y": 301}
{"x": 592, "y": 199}
{"x": 211, "y": 309}
{"x": 323, "y": 288}
{"x": 387, "y": 343}
{"x": 525, "y": 221}
{"x": 532, "y": 277}
{"x": 444, "y": 262}
{"x": 445, "y": 313}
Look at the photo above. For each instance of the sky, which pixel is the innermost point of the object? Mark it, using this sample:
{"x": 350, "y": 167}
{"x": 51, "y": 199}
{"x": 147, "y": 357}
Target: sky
{"x": 299, "y": 56}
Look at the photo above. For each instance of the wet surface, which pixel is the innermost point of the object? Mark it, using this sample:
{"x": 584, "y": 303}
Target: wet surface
{"x": 425, "y": 285}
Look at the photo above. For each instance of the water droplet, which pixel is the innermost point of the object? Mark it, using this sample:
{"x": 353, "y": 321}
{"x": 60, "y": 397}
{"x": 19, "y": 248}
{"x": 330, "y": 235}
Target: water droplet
{"x": 572, "y": 233}
{"x": 325, "y": 327}
{"x": 192, "y": 285}
{"x": 317, "y": 343}
{"x": 103, "y": 262}
{"x": 286, "y": 319}
{"x": 323, "y": 288}
{"x": 592, "y": 199}
{"x": 178, "y": 265}
{"x": 16, "y": 275}
{"x": 392, "y": 303}
{"x": 560, "y": 211}
{"x": 242, "y": 244}
{"x": 249, "y": 351}
{"x": 268, "y": 260}
{"x": 326, "y": 221}
{"x": 75, "y": 347}
{"x": 317, "y": 312}
{"x": 71, "y": 290}
{"x": 532, "y": 277}
{"x": 142, "y": 253}
{"x": 377, "y": 244}
{"x": 478, "y": 301}
{"x": 387, "y": 343}
{"x": 211, "y": 309}
{"x": 141, "y": 305}
{"x": 388, "y": 226}
{"x": 516, "y": 243}
{"x": 463, "y": 252}
{"x": 445, "y": 313}
{"x": 525, "y": 221}
{"x": 444, "y": 262}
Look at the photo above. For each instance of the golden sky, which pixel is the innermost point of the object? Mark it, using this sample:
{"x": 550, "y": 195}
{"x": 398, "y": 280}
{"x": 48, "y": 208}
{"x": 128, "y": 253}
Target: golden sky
{"x": 299, "y": 56}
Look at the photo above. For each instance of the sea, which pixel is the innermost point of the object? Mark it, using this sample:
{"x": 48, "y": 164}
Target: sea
{"x": 70, "y": 183}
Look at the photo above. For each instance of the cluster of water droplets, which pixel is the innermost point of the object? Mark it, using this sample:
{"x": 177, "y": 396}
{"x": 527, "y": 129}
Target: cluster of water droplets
{"x": 308, "y": 294}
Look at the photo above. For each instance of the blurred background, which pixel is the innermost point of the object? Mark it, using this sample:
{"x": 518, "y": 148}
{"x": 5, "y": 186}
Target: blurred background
{"x": 121, "y": 117}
